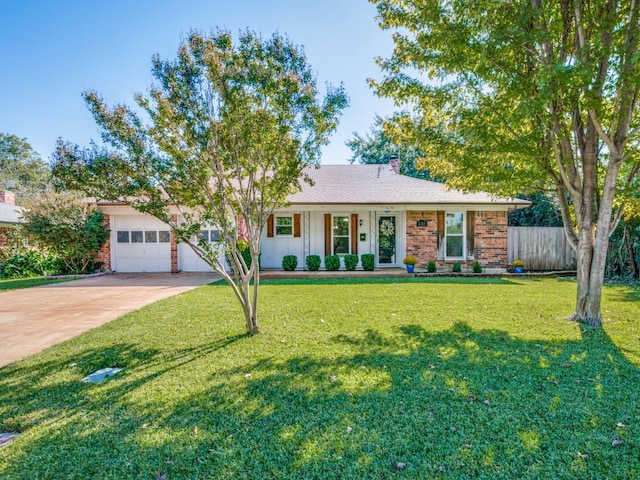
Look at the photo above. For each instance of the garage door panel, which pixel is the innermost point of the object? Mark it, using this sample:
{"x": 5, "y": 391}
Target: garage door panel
{"x": 138, "y": 247}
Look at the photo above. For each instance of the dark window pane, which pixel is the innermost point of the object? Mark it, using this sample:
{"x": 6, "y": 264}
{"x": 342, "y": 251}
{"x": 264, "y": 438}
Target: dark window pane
{"x": 340, "y": 245}
{"x": 215, "y": 235}
{"x": 284, "y": 226}
{"x": 123, "y": 237}
{"x": 164, "y": 236}
{"x": 454, "y": 246}
{"x": 204, "y": 235}
{"x": 136, "y": 237}
{"x": 150, "y": 236}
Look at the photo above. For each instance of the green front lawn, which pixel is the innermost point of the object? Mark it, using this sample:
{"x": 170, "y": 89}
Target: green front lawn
{"x": 349, "y": 379}
{"x": 15, "y": 283}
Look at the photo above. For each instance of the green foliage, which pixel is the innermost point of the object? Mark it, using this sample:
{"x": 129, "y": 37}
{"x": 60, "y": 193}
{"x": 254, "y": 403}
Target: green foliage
{"x": 16, "y": 284}
{"x": 233, "y": 124}
{"x": 332, "y": 262}
{"x": 477, "y": 268}
{"x": 518, "y": 263}
{"x": 289, "y": 262}
{"x": 543, "y": 212}
{"x": 431, "y": 266}
{"x": 512, "y": 97}
{"x": 350, "y": 262}
{"x": 458, "y": 381}
{"x": 623, "y": 255}
{"x": 30, "y": 262}
{"x": 67, "y": 226}
{"x": 368, "y": 262}
{"x": 22, "y": 171}
{"x": 456, "y": 267}
{"x": 313, "y": 262}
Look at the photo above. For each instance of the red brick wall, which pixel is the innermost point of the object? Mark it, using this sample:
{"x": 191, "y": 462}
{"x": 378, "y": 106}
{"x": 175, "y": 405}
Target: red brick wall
{"x": 490, "y": 239}
{"x": 104, "y": 254}
{"x": 422, "y": 242}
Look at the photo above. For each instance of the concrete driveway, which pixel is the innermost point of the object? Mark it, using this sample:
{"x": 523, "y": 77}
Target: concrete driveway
{"x": 32, "y": 319}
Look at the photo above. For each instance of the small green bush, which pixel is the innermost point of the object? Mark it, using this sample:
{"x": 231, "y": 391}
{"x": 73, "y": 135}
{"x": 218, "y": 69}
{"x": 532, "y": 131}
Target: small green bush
{"x": 456, "y": 267}
{"x": 477, "y": 268}
{"x": 313, "y": 262}
{"x": 431, "y": 266}
{"x": 289, "y": 262}
{"x": 31, "y": 263}
{"x": 350, "y": 262}
{"x": 332, "y": 262}
{"x": 368, "y": 261}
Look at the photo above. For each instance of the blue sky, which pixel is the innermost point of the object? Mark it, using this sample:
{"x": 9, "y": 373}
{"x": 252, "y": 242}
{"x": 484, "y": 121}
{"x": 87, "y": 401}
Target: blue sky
{"x": 52, "y": 51}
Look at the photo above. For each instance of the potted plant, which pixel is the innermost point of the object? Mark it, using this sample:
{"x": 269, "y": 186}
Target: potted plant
{"x": 410, "y": 261}
{"x": 518, "y": 266}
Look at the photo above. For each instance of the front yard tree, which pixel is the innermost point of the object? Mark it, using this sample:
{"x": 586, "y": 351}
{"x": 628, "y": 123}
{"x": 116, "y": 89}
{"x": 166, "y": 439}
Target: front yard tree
{"x": 508, "y": 96}
{"x": 21, "y": 168}
{"x": 66, "y": 225}
{"x": 229, "y": 128}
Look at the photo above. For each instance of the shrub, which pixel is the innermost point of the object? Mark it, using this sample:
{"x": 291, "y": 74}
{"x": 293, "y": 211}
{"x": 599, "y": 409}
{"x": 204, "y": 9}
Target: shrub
{"x": 289, "y": 262}
{"x": 518, "y": 263}
{"x": 368, "y": 261}
{"x": 313, "y": 262}
{"x": 410, "y": 260}
{"x": 477, "y": 268}
{"x": 431, "y": 266}
{"x": 245, "y": 252}
{"x": 31, "y": 263}
{"x": 456, "y": 267}
{"x": 332, "y": 262}
{"x": 350, "y": 262}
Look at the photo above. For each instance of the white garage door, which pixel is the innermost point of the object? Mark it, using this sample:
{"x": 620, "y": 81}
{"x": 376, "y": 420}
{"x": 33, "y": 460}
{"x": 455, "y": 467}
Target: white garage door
{"x": 188, "y": 259}
{"x": 142, "y": 244}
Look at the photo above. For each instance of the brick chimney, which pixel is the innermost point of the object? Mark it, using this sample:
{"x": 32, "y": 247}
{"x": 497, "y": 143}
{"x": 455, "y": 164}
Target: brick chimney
{"x": 7, "y": 197}
{"x": 394, "y": 163}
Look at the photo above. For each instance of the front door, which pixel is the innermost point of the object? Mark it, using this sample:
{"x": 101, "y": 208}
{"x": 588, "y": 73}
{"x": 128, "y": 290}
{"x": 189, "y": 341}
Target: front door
{"x": 387, "y": 240}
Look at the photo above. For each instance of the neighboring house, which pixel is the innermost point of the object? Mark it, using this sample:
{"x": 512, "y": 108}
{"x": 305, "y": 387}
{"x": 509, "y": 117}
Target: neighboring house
{"x": 9, "y": 213}
{"x": 349, "y": 209}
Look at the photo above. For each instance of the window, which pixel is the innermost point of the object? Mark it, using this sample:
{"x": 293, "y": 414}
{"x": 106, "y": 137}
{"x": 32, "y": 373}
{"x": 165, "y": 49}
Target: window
{"x": 164, "y": 236}
{"x": 215, "y": 236}
{"x": 454, "y": 235}
{"x": 341, "y": 241}
{"x": 136, "y": 237}
{"x": 284, "y": 226}
{"x": 150, "y": 236}
{"x": 204, "y": 235}
{"x": 123, "y": 237}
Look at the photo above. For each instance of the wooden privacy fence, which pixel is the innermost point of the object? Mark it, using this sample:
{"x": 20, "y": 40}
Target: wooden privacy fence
{"x": 541, "y": 248}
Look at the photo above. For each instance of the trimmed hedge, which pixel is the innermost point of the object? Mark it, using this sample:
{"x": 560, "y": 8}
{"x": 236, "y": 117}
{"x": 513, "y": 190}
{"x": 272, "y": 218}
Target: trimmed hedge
{"x": 332, "y": 262}
{"x": 289, "y": 263}
{"x": 368, "y": 261}
{"x": 313, "y": 262}
{"x": 350, "y": 262}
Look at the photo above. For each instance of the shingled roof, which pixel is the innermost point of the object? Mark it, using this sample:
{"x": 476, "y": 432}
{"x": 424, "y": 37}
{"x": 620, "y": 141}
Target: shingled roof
{"x": 379, "y": 184}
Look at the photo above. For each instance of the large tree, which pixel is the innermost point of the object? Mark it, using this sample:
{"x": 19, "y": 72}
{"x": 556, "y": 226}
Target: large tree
{"x": 505, "y": 96}
{"x": 229, "y": 129}
{"x": 22, "y": 171}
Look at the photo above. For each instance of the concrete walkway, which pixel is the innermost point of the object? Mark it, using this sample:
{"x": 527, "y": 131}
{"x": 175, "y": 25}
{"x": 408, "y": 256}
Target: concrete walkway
{"x": 32, "y": 319}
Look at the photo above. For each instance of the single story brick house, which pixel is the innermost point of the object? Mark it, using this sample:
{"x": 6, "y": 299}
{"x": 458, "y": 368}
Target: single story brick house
{"x": 354, "y": 209}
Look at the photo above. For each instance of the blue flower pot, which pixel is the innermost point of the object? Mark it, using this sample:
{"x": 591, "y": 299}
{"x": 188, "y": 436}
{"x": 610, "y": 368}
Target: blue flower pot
{"x": 518, "y": 269}
{"x": 410, "y": 268}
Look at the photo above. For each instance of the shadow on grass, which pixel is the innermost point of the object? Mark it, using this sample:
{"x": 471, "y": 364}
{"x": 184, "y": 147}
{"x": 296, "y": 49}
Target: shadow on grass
{"x": 458, "y": 403}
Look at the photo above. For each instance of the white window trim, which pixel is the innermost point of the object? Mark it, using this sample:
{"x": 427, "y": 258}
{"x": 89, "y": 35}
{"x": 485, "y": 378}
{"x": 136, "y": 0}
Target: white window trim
{"x": 463, "y": 235}
{"x": 275, "y": 226}
{"x": 347, "y": 236}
